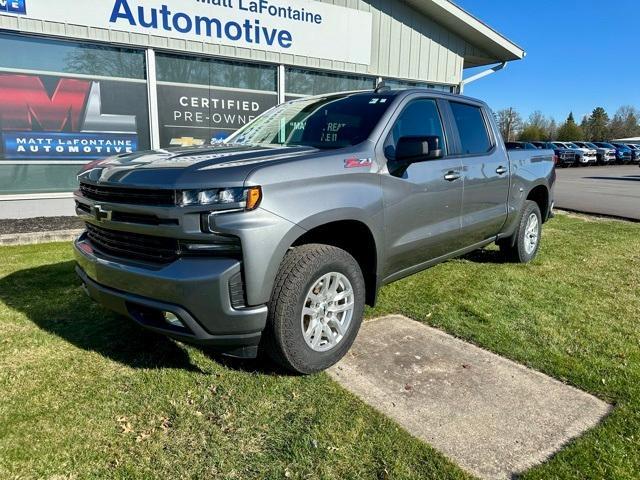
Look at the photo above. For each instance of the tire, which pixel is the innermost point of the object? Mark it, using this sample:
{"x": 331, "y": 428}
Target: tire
{"x": 517, "y": 249}
{"x": 303, "y": 274}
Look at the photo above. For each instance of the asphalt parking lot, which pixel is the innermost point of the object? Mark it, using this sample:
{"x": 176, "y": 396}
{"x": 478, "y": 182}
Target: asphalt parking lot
{"x": 613, "y": 190}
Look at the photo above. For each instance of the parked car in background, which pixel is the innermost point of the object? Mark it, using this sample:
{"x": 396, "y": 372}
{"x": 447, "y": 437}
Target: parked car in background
{"x": 635, "y": 152}
{"x": 618, "y": 153}
{"x": 564, "y": 156}
{"x": 624, "y": 154}
{"x": 582, "y": 158}
{"x": 590, "y": 154}
{"x": 606, "y": 156}
{"x": 520, "y": 146}
{"x": 602, "y": 154}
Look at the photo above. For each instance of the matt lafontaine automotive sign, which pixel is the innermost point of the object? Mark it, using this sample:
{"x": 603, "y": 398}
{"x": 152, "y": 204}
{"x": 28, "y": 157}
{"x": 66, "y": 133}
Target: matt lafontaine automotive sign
{"x": 299, "y": 27}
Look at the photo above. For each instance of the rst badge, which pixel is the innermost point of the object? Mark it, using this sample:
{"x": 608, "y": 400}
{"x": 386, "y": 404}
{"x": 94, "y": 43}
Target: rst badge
{"x": 354, "y": 162}
{"x": 13, "y": 6}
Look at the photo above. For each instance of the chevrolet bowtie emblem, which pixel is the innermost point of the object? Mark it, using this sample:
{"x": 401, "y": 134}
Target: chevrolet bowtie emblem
{"x": 186, "y": 142}
{"x": 101, "y": 214}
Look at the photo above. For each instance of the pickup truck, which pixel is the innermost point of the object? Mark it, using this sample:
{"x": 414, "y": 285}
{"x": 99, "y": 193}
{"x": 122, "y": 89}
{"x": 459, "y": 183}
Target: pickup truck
{"x": 584, "y": 156}
{"x": 604, "y": 156}
{"x": 564, "y": 156}
{"x": 276, "y": 239}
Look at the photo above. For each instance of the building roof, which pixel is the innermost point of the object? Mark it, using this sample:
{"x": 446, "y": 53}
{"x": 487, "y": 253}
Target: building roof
{"x": 489, "y": 45}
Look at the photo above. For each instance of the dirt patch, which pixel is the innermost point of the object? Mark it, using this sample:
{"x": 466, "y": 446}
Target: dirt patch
{"x": 40, "y": 224}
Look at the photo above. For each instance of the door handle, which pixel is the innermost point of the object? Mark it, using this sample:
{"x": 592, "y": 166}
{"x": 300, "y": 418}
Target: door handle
{"x": 452, "y": 176}
{"x": 501, "y": 170}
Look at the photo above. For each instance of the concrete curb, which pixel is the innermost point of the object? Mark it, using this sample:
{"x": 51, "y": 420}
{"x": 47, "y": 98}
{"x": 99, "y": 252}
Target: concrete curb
{"x": 597, "y": 216}
{"x": 39, "y": 237}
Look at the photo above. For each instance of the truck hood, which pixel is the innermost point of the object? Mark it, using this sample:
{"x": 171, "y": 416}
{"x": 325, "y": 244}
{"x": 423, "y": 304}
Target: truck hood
{"x": 194, "y": 167}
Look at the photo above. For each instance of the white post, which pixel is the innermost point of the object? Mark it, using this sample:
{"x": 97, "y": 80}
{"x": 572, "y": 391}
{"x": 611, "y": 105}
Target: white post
{"x": 152, "y": 94}
{"x": 281, "y": 84}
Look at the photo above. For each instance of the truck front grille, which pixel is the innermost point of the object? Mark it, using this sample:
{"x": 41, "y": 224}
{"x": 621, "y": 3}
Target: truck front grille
{"x": 132, "y": 196}
{"x": 133, "y": 246}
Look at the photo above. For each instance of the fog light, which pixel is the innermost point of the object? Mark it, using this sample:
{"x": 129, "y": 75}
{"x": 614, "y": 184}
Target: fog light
{"x": 172, "y": 320}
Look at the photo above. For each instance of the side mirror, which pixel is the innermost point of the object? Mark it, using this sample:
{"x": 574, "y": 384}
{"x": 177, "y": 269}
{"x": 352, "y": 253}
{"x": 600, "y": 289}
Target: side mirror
{"x": 418, "y": 149}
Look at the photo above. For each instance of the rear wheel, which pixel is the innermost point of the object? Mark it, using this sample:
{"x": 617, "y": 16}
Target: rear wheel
{"x": 316, "y": 308}
{"x": 524, "y": 245}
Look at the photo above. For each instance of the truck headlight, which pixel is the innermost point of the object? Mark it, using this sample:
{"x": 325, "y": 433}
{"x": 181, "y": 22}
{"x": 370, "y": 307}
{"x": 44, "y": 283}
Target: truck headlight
{"x": 240, "y": 198}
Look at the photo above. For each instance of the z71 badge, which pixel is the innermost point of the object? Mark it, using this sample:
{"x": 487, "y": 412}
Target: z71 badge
{"x": 357, "y": 162}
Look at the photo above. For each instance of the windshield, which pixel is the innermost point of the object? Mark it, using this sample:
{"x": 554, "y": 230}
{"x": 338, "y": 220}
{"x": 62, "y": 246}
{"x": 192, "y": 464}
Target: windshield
{"x": 606, "y": 145}
{"x": 334, "y": 121}
{"x": 572, "y": 145}
{"x": 591, "y": 145}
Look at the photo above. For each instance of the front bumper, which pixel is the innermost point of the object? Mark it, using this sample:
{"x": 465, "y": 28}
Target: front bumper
{"x": 195, "y": 290}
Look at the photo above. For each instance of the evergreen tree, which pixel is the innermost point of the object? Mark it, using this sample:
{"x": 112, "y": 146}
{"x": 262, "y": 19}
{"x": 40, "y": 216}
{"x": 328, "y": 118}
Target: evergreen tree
{"x": 552, "y": 132}
{"x": 598, "y": 125}
{"x": 570, "y": 131}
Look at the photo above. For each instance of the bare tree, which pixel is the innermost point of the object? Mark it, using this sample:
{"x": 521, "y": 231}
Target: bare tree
{"x": 510, "y": 123}
{"x": 625, "y": 123}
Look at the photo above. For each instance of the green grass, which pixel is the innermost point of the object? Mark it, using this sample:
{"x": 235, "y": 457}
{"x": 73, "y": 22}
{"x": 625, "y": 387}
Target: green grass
{"x": 85, "y": 394}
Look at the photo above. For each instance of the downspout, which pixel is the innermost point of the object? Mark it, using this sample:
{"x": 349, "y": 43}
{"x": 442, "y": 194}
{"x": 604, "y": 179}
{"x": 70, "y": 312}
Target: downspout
{"x": 480, "y": 75}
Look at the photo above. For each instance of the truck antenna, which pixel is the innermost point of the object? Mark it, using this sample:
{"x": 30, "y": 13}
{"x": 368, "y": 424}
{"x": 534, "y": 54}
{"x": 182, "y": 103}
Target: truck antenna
{"x": 382, "y": 87}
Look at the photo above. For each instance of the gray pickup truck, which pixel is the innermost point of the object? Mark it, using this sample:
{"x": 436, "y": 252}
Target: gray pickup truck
{"x": 276, "y": 238}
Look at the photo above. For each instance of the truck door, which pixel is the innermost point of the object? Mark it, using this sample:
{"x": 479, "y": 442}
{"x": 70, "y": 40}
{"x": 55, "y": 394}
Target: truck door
{"x": 422, "y": 201}
{"x": 485, "y": 167}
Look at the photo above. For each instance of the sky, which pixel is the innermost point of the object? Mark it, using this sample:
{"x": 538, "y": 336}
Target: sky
{"x": 580, "y": 55}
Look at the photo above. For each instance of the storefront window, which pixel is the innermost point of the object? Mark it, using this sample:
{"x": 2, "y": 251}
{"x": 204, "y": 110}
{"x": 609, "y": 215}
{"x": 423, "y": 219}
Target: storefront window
{"x": 63, "y": 104}
{"x": 408, "y": 84}
{"x": 202, "y": 99}
{"x": 308, "y": 82}
{"x": 26, "y": 53}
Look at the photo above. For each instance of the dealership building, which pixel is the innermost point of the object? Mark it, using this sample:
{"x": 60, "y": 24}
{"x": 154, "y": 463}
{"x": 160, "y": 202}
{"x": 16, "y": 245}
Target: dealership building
{"x": 80, "y": 81}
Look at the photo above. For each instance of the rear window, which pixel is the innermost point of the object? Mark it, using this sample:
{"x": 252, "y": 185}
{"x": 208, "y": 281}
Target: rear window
{"x": 474, "y": 137}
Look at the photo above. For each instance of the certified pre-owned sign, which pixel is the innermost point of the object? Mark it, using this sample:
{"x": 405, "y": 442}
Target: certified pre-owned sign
{"x": 284, "y": 26}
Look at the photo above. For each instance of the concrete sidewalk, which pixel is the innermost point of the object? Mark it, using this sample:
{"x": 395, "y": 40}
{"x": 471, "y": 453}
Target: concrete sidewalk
{"x": 493, "y": 417}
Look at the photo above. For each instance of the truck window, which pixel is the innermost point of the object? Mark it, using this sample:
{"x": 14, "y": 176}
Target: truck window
{"x": 419, "y": 119}
{"x": 472, "y": 128}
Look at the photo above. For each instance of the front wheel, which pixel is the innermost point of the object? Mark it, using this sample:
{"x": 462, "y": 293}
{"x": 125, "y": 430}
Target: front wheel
{"x": 524, "y": 245}
{"x": 316, "y": 308}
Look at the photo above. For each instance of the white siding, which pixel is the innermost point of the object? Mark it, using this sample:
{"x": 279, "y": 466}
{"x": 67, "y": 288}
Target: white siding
{"x": 405, "y": 44}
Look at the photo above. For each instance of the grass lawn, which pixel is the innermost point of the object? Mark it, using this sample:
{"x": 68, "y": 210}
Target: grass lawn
{"x": 85, "y": 394}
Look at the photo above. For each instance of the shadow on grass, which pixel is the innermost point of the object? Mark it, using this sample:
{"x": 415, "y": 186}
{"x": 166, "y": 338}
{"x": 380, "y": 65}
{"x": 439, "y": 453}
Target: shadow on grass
{"x": 51, "y": 297}
{"x": 486, "y": 256}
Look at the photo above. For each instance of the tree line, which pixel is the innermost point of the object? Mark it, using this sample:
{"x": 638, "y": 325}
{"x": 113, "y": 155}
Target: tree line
{"x": 596, "y": 127}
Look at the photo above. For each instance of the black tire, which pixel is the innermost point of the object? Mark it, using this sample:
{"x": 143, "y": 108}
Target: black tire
{"x": 514, "y": 247}
{"x": 301, "y": 268}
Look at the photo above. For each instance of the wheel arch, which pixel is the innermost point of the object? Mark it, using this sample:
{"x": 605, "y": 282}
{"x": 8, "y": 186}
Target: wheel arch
{"x": 540, "y": 195}
{"x": 356, "y": 238}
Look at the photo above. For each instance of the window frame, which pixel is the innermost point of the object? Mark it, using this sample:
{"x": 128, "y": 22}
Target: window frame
{"x": 458, "y": 140}
{"x": 393, "y": 116}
